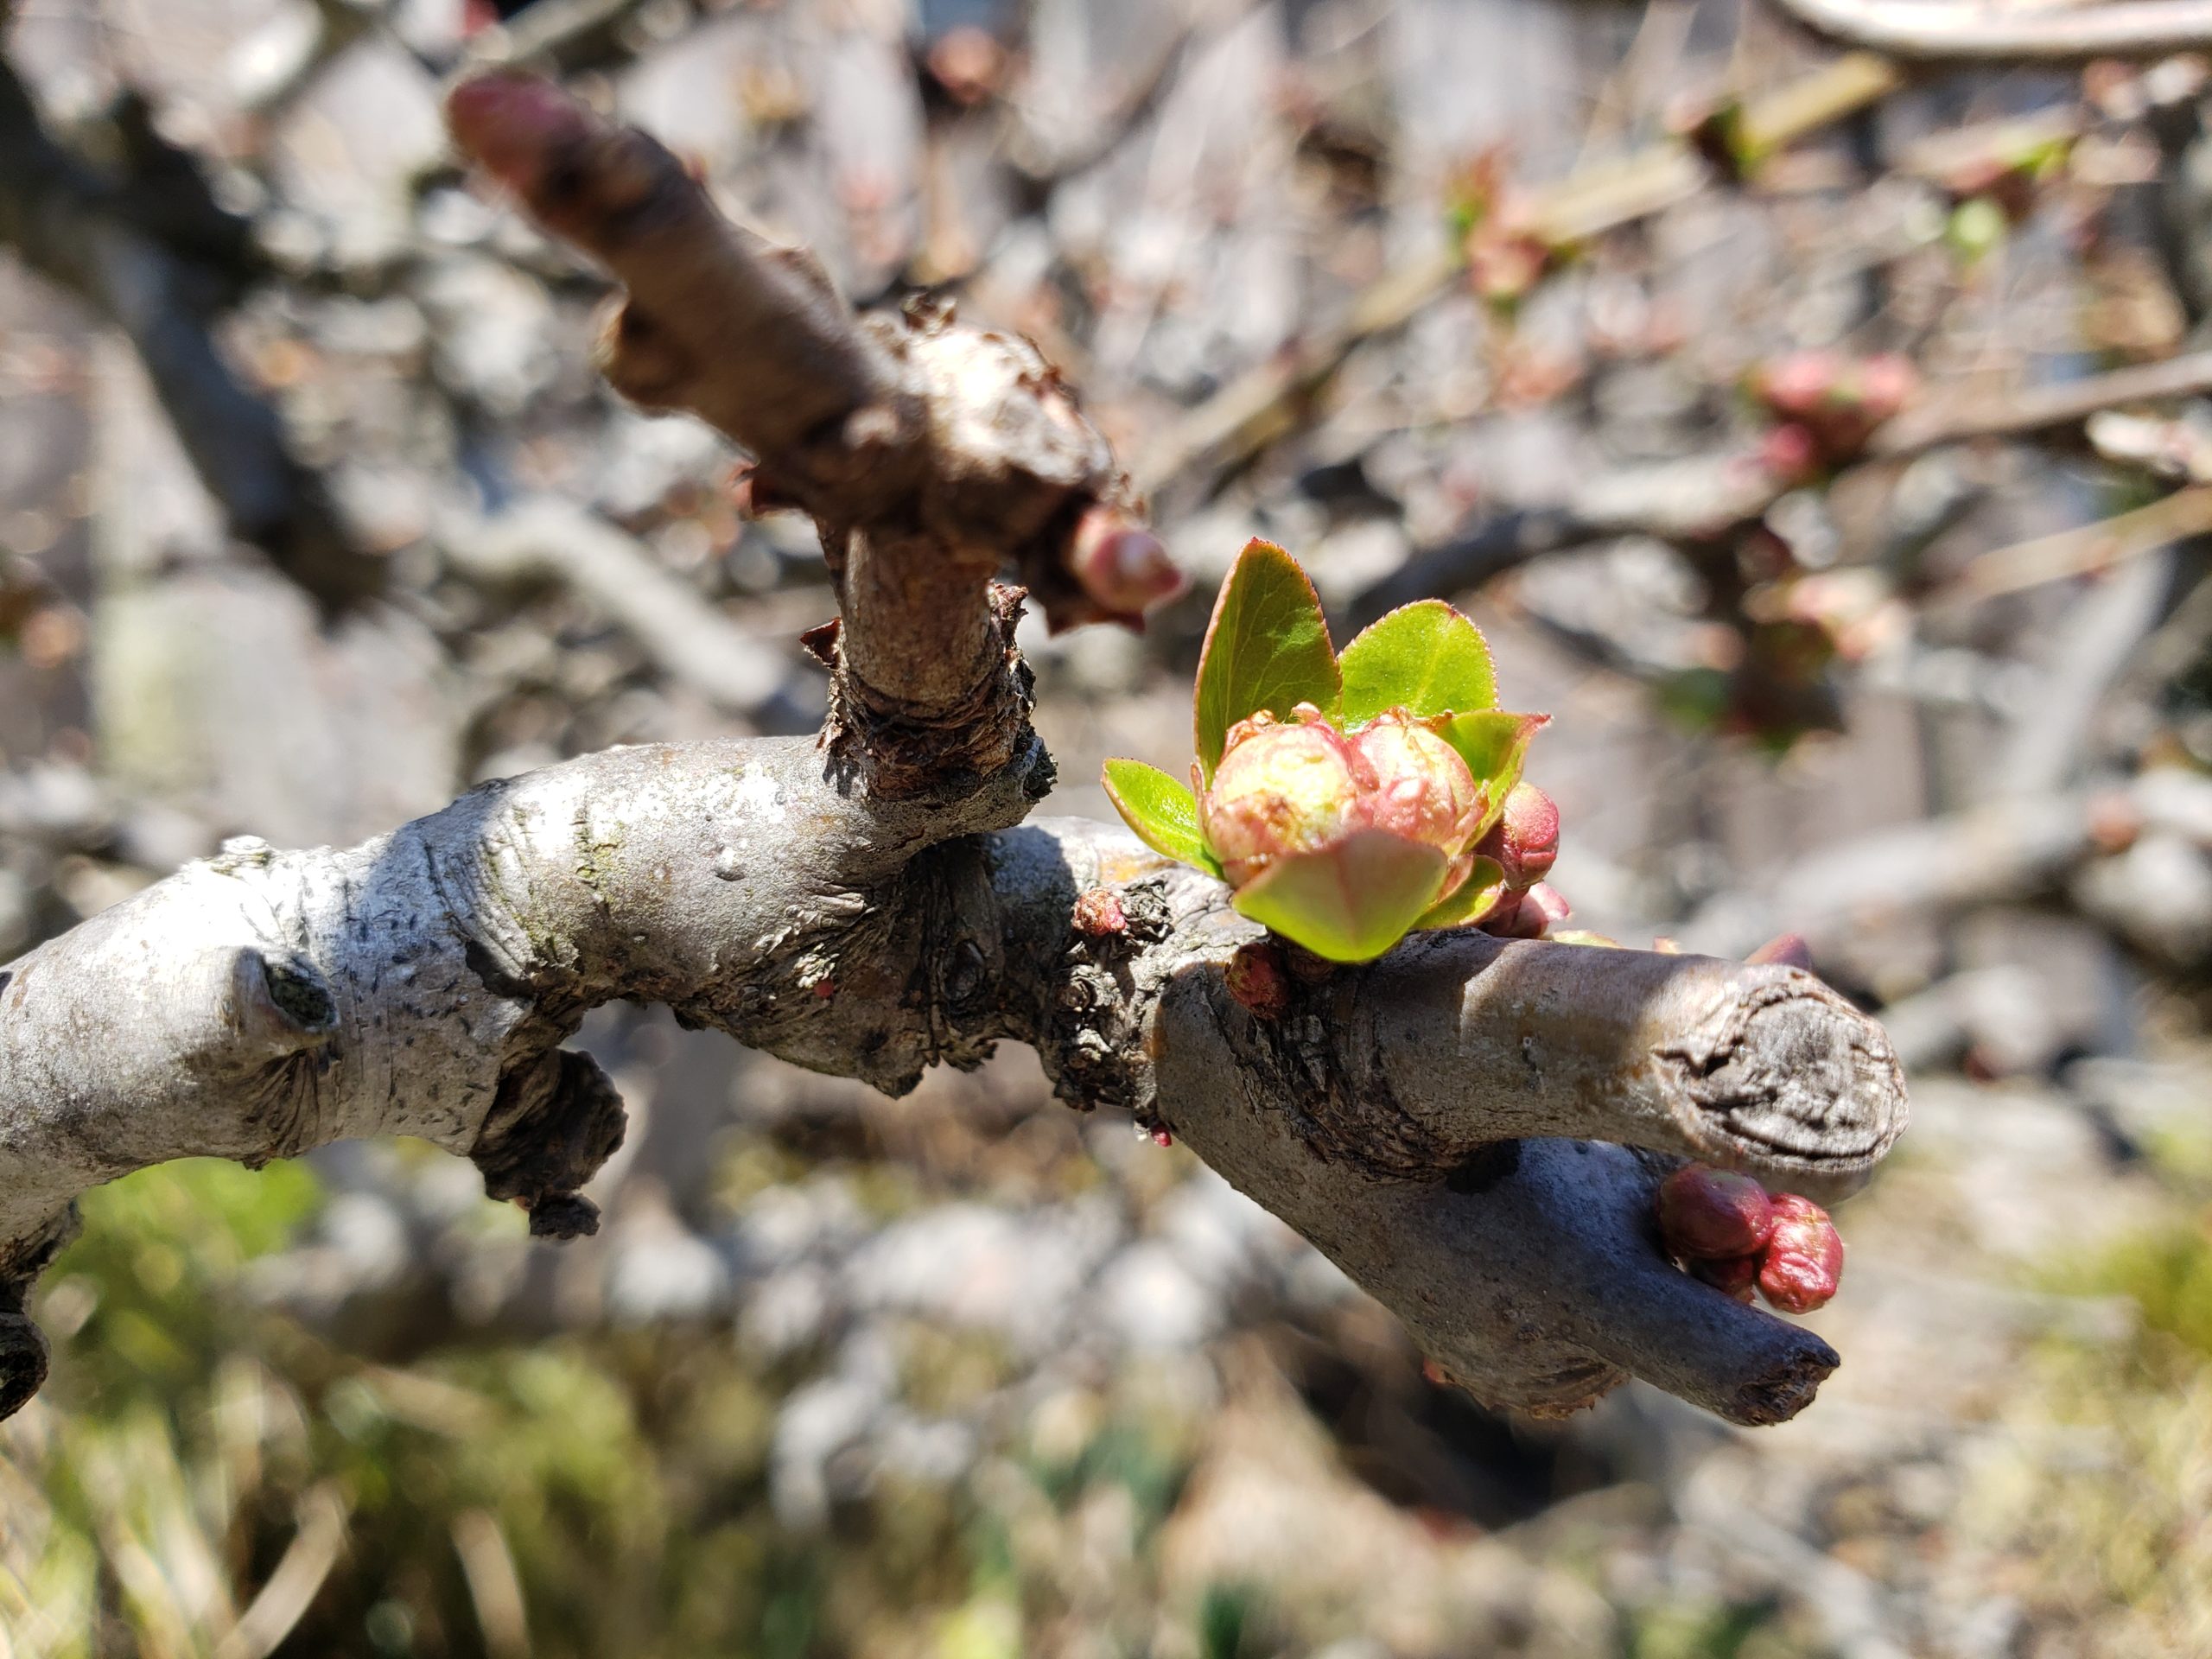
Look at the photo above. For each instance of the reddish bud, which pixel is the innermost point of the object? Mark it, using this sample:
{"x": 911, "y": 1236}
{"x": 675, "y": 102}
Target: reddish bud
{"x": 1797, "y": 383}
{"x": 1804, "y": 1256}
{"x": 1281, "y": 788}
{"x": 1300, "y": 786}
{"x": 1528, "y": 915}
{"x": 1735, "y": 1275}
{"x": 1886, "y": 384}
{"x": 1121, "y": 566}
{"x": 969, "y": 62}
{"x": 1258, "y": 980}
{"x": 1525, "y": 839}
{"x": 512, "y": 124}
{"x": 1789, "y": 452}
{"x": 1784, "y": 949}
{"x": 1422, "y": 788}
{"x": 1707, "y": 1213}
{"x": 1098, "y": 913}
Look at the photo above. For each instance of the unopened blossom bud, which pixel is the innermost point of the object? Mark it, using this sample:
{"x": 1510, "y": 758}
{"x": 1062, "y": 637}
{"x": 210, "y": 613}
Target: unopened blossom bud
{"x": 1735, "y": 1275}
{"x": 1258, "y": 979}
{"x": 1789, "y": 452}
{"x": 1707, "y": 1213}
{"x": 1784, "y": 949}
{"x": 1804, "y": 1261}
{"x": 1797, "y": 383}
{"x": 1098, "y": 913}
{"x": 1297, "y": 786}
{"x": 1525, "y": 839}
{"x": 1121, "y": 566}
{"x": 1282, "y": 787}
{"x": 1528, "y": 915}
{"x": 1422, "y": 788}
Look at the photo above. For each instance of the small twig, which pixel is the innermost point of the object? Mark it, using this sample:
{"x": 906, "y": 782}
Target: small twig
{"x": 1267, "y": 402}
{"x": 2084, "y": 550}
{"x": 2019, "y": 412}
{"x": 1965, "y": 30}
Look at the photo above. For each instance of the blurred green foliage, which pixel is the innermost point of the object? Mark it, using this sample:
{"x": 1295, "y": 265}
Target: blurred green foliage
{"x": 581, "y": 1496}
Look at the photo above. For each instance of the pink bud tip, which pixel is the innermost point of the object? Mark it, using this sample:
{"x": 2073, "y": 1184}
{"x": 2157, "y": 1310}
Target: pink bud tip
{"x": 1162, "y": 1138}
{"x": 1706, "y": 1213}
{"x": 1098, "y": 913}
{"x": 1798, "y": 383}
{"x": 1804, "y": 1256}
{"x": 1735, "y": 1275}
{"x": 1258, "y": 980}
{"x": 511, "y": 123}
{"x": 1528, "y": 835}
{"x": 1785, "y": 950}
{"x": 1121, "y": 566}
{"x": 1789, "y": 452}
{"x": 1551, "y": 904}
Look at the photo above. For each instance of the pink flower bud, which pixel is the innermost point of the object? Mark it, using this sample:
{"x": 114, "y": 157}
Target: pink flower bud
{"x": 1707, "y": 1213}
{"x": 1282, "y": 787}
{"x": 1784, "y": 949}
{"x": 1797, "y": 383}
{"x": 514, "y": 124}
{"x": 1789, "y": 452}
{"x": 1098, "y": 913}
{"x": 1525, "y": 839}
{"x": 1804, "y": 1256}
{"x": 1121, "y": 566}
{"x": 1302, "y": 786}
{"x": 1258, "y": 979}
{"x": 1886, "y": 384}
{"x": 1736, "y": 1275}
{"x": 1423, "y": 788}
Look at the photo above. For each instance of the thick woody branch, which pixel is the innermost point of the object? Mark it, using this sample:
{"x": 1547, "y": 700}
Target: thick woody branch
{"x": 422, "y": 984}
{"x": 929, "y": 455}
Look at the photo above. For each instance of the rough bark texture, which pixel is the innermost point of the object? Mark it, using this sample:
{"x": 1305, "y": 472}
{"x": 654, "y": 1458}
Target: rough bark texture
{"x": 873, "y": 903}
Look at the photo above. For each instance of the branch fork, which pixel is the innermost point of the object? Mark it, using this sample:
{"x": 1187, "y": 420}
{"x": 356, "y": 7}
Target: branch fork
{"x": 1472, "y": 1127}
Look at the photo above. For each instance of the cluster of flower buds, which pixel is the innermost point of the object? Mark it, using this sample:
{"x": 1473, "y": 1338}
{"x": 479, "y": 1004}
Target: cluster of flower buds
{"x": 1302, "y": 786}
{"x": 1347, "y": 798}
{"x": 1825, "y": 406}
{"x": 1728, "y": 1232}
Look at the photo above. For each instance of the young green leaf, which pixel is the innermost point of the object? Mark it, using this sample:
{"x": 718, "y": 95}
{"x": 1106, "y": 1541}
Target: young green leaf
{"x": 1351, "y": 903}
{"x": 1471, "y": 902}
{"x": 1268, "y": 647}
{"x": 1495, "y": 745}
{"x": 1163, "y": 813}
{"x": 1424, "y": 657}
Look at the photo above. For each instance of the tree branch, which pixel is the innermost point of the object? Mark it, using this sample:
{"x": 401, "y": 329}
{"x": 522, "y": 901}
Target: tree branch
{"x": 871, "y": 904}
{"x": 422, "y": 984}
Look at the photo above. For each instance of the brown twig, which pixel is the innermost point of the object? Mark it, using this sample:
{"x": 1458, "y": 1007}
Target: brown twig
{"x": 1261, "y": 405}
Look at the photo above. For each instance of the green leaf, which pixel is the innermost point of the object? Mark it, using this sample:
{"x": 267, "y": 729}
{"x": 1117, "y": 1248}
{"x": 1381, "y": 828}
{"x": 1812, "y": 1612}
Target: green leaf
{"x": 1162, "y": 812}
{"x": 1424, "y": 657}
{"x": 1495, "y": 745}
{"x": 1485, "y": 886}
{"x": 1268, "y": 647}
{"x": 1351, "y": 903}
